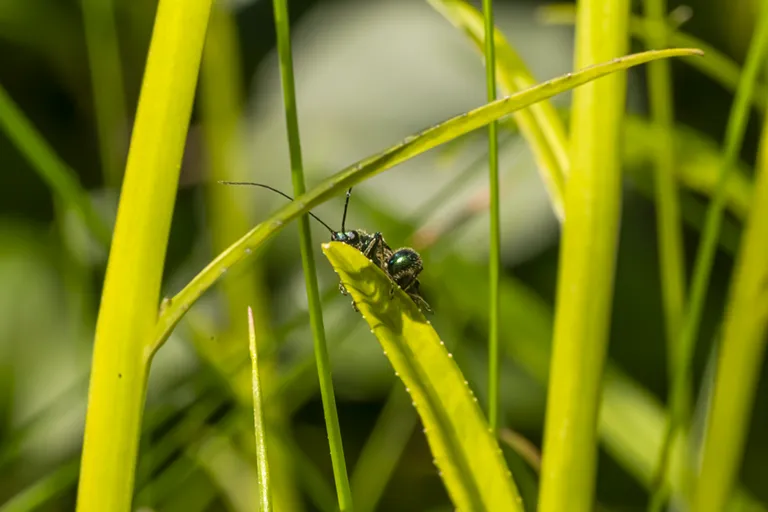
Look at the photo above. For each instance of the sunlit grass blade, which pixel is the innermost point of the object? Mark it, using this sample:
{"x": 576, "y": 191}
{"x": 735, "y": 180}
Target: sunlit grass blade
{"x": 175, "y": 308}
{"x": 715, "y": 64}
{"x": 741, "y": 353}
{"x": 494, "y": 262}
{"x": 106, "y": 85}
{"x": 382, "y": 451}
{"x": 540, "y": 124}
{"x": 737, "y": 124}
{"x": 265, "y": 493}
{"x": 587, "y": 263}
{"x": 466, "y": 453}
{"x": 131, "y": 292}
{"x": 338, "y": 462}
{"x": 59, "y": 177}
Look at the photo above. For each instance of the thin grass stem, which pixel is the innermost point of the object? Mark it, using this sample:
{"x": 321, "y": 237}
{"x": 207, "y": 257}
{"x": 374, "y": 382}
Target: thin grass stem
{"x": 282, "y": 26}
{"x": 494, "y": 262}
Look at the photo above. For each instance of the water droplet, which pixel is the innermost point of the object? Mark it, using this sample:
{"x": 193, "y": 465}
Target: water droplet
{"x": 397, "y": 374}
{"x": 407, "y": 390}
{"x": 223, "y": 270}
{"x": 450, "y": 355}
{"x": 248, "y": 250}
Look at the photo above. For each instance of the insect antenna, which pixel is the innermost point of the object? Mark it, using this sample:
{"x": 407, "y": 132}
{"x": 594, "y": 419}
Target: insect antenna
{"x": 262, "y": 185}
{"x": 344, "y": 215}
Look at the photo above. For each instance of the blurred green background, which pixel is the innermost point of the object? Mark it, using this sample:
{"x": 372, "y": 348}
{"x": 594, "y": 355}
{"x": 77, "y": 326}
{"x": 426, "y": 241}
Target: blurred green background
{"x": 368, "y": 73}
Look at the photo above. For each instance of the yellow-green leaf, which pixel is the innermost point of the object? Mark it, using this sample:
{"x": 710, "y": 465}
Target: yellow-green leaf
{"x": 467, "y": 455}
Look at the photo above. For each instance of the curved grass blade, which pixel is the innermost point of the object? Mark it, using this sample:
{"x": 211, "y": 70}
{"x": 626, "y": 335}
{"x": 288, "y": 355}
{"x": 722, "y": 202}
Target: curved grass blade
{"x": 539, "y": 124}
{"x": 265, "y": 500}
{"x": 174, "y": 309}
{"x": 716, "y": 65}
{"x": 466, "y": 453}
{"x": 59, "y": 177}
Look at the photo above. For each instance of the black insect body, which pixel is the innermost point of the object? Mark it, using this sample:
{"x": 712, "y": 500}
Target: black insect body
{"x": 401, "y": 266}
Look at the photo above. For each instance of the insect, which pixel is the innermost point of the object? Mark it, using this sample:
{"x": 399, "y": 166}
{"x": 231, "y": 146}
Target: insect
{"x": 402, "y": 266}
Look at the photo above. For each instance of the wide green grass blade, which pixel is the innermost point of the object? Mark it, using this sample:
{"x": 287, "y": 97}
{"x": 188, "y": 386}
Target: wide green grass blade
{"x": 540, "y": 124}
{"x": 586, "y": 265}
{"x": 131, "y": 292}
{"x": 737, "y": 124}
{"x": 259, "y": 425}
{"x": 59, "y": 177}
{"x": 466, "y": 453}
{"x": 174, "y": 309}
{"x": 741, "y": 353}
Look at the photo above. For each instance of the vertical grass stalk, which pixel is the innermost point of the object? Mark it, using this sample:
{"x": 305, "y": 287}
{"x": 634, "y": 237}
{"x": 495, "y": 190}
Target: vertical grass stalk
{"x": 669, "y": 228}
{"x": 495, "y": 229}
{"x": 741, "y": 354}
{"x": 259, "y": 425}
{"x": 587, "y": 264}
{"x": 307, "y": 258}
{"x": 107, "y": 84}
{"x": 131, "y": 294}
{"x": 737, "y": 124}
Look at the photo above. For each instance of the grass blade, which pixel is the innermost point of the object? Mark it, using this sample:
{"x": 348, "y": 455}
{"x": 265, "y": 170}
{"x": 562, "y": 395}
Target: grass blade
{"x": 539, "y": 124}
{"x": 59, "y": 177}
{"x": 308, "y": 261}
{"x": 131, "y": 293}
{"x": 741, "y": 353}
{"x": 737, "y": 124}
{"x": 174, "y": 309}
{"x": 106, "y": 84}
{"x": 259, "y": 426}
{"x": 494, "y": 262}
{"x": 718, "y": 66}
{"x": 466, "y": 453}
{"x": 381, "y": 453}
{"x": 668, "y": 225}
{"x": 586, "y": 266}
